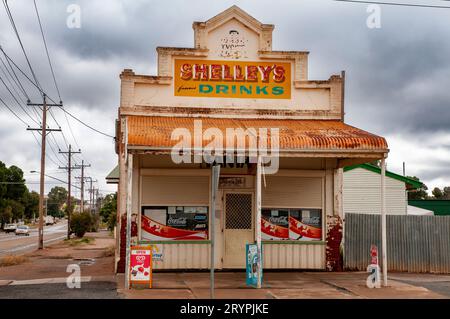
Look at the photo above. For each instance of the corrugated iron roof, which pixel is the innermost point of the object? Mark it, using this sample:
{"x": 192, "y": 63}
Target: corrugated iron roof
{"x": 156, "y": 131}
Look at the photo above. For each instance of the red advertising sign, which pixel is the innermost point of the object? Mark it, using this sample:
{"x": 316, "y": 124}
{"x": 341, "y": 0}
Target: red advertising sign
{"x": 274, "y": 224}
{"x": 373, "y": 255}
{"x": 156, "y": 231}
{"x": 141, "y": 265}
{"x": 302, "y": 231}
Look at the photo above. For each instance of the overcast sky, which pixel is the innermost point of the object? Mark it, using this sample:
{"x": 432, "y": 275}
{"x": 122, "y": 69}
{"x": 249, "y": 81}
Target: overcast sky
{"x": 398, "y": 76}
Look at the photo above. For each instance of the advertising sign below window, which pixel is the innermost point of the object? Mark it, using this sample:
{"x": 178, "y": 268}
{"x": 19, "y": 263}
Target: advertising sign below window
{"x": 174, "y": 223}
{"x": 274, "y": 224}
{"x": 305, "y": 224}
{"x": 252, "y": 265}
{"x": 291, "y": 224}
{"x": 141, "y": 265}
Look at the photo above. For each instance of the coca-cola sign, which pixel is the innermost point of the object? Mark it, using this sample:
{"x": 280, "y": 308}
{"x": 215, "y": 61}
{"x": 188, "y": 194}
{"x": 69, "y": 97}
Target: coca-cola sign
{"x": 176, "y": 221}
{"x": 280, "y": 220}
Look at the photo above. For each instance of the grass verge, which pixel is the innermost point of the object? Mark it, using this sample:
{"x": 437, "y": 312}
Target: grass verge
{"x": 79, "y": 241}
{"x": 110, "y": 251}
{"x": 12, "y": 260}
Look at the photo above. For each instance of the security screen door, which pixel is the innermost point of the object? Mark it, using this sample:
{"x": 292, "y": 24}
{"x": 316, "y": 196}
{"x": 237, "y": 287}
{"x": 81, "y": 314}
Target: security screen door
{"x": 238, "y": 227}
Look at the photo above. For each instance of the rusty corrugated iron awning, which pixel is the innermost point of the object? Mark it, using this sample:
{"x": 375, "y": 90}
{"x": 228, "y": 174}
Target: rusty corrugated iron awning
{"x": 155, "y": 132}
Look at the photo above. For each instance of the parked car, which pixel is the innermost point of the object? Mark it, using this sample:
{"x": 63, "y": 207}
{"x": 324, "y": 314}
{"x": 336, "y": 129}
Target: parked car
{"x": 49, "y": 220}
{"x": 23, "y": 230}
{"x": 10, "y": 228}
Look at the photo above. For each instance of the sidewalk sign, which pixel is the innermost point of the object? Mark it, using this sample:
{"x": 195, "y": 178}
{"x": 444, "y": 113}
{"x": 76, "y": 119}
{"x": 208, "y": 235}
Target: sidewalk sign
{"x": 373, "y": 280}
{"x": 141, "y": 265}
{"x": 252, "y": 265}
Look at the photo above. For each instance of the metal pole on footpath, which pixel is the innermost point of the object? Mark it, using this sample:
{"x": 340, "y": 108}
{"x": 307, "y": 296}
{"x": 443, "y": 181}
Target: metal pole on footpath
{"x": 258, "y": 219}
{"x": 215, "y": 172}
{"x": 383, "y": 221}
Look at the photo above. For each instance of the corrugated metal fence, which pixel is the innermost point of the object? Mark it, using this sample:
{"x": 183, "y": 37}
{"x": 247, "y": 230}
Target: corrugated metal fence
{"x": 414, "y": 243}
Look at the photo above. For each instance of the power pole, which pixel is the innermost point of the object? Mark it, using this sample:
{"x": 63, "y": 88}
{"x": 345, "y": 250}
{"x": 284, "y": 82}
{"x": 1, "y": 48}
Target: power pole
{"x": 44, "y": 131}
{"x": 82, "y": 166}
{"x": 91, "y": 190}
{"x": 69, "y": 183}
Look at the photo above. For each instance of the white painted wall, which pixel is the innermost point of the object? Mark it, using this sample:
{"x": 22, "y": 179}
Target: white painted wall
{"x": 362, "y": 193}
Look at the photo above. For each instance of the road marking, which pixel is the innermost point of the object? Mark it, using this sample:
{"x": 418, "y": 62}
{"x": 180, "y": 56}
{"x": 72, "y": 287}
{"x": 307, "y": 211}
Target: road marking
{"x": 31, "y": 245}
{"x": 58, "y": 280}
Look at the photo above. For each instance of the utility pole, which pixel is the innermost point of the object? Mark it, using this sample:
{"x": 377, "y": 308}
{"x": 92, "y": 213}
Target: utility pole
{"x": 91, "y": 198}
{"x": 91, "y": 191}
{"x": 69, "y": 184}
{"x": 44, "y": 131}
{"x": 82, "y": 166}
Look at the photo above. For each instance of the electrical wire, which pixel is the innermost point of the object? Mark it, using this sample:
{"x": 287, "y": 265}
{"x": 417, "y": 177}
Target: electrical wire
{"x": 87, "y": 125}
{"x": 13, "y": 24}
{"x": 46, "y": 48}
{"x": 20, "y": 105}
{"x": 14, "y": 113}
{"x": 396, "y": 4}
{"x": 15, "y": 79}
{"x": 62, "y": 108}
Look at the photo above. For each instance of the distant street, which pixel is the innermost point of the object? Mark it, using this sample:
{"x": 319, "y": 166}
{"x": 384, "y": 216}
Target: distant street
{"x": 10, "y": 244}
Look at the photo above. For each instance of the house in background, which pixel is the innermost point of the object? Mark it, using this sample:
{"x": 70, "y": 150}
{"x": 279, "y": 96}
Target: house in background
{"x": 362, "y": 190}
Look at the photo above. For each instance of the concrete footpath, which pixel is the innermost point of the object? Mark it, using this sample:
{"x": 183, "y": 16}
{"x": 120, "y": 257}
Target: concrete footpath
{"x": 278, "y": 285}
{"x": 43, "y": 273}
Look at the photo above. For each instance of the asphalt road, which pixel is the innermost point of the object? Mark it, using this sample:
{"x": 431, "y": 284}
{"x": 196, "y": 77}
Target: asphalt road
{"x": 88, "y": 290}
{"x": 433, "y": 282}
{"x": 10, "y": 244}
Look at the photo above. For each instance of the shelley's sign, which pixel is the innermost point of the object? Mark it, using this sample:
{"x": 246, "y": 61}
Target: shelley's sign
{"x": 233, "y": 79}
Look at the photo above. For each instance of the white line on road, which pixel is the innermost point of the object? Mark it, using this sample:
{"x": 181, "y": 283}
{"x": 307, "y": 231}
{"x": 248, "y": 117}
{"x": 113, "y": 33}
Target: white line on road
{"x": 20, "y": 248}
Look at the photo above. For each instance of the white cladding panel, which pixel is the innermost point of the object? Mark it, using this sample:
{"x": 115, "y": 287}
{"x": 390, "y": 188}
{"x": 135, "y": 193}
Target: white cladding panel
{"x": 362, "y": 193}
{"x": 175, "y": 190}
{"x": 294, "y": 256}
{"x": 292, "y": 192}
{"x": 184, "y": 256}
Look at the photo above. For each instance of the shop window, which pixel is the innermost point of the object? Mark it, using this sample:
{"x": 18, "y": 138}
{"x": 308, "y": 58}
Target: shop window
{"x": 291, "y": 224}
{"x": 174, "y": 223}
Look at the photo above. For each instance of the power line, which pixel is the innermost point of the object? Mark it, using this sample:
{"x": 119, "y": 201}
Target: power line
{"x": 20, "y": 119}
{"x": 15, "y": 79}
{"x": 396, "y": 4}
{"x": 8, "y": 77}
{"x": 14, "y": 97}
{"x": 53, "y": 74}
{"x": 31, "y": 81}
{"x": 87, "y": 125}
{"x": 15, "y": 75}
{"x": 11, "y": 83}
{"x": 11, "y": 19}
{"x": 46, "y": 154}
{"x": 25, "y": 75}
{"x": 46, "y": 49}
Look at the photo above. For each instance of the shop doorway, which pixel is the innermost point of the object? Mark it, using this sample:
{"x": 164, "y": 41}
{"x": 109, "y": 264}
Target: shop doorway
{"x": 238, "y": 228}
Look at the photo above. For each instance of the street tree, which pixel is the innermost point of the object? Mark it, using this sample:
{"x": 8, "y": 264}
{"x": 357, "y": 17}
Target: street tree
{"x": 437, "y": 193}
{"x": 420, "y": 193}
{"x": 55, "y": 200}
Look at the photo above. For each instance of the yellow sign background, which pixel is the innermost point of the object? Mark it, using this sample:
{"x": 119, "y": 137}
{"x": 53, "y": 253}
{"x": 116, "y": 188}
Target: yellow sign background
{"x": 233, "y": 88}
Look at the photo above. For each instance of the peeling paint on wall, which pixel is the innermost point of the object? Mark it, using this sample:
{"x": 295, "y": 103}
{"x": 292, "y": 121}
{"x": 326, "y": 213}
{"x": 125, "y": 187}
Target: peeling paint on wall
{"x": 334, "y": 260}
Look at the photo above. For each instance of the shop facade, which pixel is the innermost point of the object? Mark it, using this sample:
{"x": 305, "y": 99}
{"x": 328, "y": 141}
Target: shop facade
{"x": 281, "y": 183}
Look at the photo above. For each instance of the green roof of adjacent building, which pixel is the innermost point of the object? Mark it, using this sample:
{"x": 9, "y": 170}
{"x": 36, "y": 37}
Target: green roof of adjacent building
{"x": 438, "y": 206}
{"x": 410, "y": 183}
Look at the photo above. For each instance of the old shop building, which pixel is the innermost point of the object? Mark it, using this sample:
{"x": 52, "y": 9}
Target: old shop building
{"x": 232, "y": 78}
